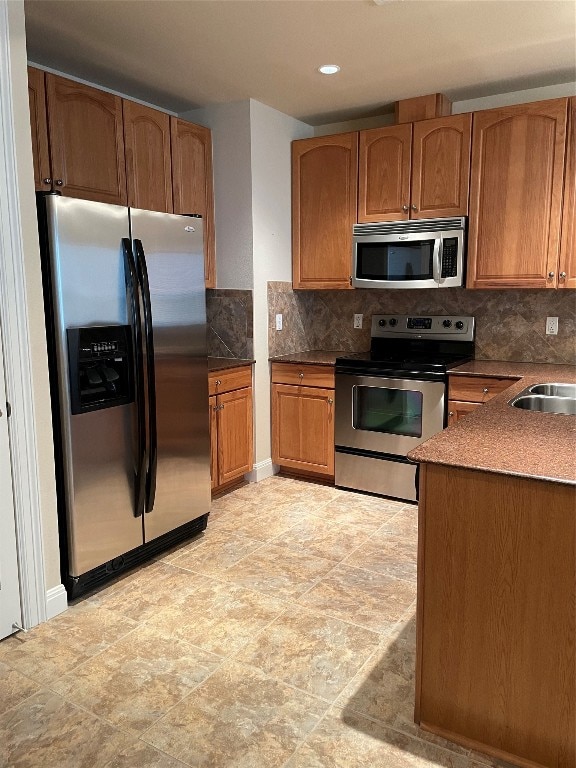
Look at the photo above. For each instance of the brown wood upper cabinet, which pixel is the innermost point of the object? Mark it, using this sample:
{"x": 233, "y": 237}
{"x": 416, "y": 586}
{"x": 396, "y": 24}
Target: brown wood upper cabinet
{"x": 192, "y": 182}
{"x": 39, "y": 130}
{"x": 567, "y": 265}
{"x": 148, "y": 167}
{"x": 91, "y": 144}
{"x": 415, "y": 170}
{"x": 324, "y": 184}
{"x": 516, "y": 195}
{"x": 86, "y": 141}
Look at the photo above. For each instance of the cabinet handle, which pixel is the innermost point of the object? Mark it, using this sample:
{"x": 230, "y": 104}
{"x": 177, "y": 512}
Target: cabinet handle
{"x": 562, "y": 275}
{"x": 47, "y": 180}
{"x": 301, "y": 375}
{"x": 330, "y": 401}
{"x": 405, "y": 208}
{"x": 218, "y": 382}
{"x": 450, "y": 413}
{"x": 485, "y": 390}
{"x": 550, "y": 275}
{"x": 414, "y": 208}
{"x": 58, "y": 182}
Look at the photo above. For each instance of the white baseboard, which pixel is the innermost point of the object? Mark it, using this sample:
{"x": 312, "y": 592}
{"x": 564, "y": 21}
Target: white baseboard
{"x": 56, "y": 601}
{"x": 262, "y": 470}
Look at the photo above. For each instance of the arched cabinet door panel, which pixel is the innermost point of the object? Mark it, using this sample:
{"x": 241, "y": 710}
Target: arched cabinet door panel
{"x": 192, "y": 183}
{"x": 516, "y": 195}
{"x": 39, "y": 130}
{"x": 384, "y": 173}
{"x": 324, "y": 189}
{"x": 441, "y": 167}
{"x": 86, "y": 141}
{"x": 148, "y": 165}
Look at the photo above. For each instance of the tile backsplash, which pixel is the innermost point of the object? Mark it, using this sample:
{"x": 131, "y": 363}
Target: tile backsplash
{"x": 230, "y": 323}
{"x": 510, "y": 325}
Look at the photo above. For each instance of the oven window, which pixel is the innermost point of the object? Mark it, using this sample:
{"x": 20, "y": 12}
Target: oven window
{"x": 395, "y": 261}
{"x": 393, "y": 411}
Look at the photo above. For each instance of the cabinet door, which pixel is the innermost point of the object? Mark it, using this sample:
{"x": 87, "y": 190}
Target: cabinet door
{"x": 303, "y": 428}
{"x": 86, "y": 141}
{"x": 192, "y": 183}
{"x": 39, "y": 129}
{"x": 213, "y": 442}
{"x": 567, "y": 265}
{"x": 384, "y": 173}
{"x": 441, "y": 167}
{"x": 324, "y": 183}
{"x": 457, "y": 409}
{"x": 148, "y": 167}
{"x": 235, "y": 434}
{"x": 516, "y": 195}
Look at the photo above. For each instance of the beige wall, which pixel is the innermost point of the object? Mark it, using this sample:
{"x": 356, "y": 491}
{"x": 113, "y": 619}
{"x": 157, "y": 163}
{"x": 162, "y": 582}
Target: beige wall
{"x": 271, "y": 134}
{"x": 35, "y": 307}
{"x": 251, "y": 144}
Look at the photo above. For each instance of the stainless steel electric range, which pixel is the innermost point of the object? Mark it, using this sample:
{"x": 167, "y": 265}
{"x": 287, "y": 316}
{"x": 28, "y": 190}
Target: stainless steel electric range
{"x": 392, "y": 398}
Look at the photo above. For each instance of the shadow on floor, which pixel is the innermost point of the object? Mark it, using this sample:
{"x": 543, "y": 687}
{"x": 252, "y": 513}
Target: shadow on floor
{"x": 387, "y": 694}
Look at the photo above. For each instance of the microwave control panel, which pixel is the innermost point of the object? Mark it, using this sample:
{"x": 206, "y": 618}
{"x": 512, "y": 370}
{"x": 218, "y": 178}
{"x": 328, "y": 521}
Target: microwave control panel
{"x": 449, "y": 257}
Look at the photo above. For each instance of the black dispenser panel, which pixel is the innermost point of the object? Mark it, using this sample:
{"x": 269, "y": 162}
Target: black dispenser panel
{"x": 100, "y": 362}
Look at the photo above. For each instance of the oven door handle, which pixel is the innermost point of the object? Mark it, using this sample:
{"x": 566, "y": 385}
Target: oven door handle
{"x": 437, "y": 258}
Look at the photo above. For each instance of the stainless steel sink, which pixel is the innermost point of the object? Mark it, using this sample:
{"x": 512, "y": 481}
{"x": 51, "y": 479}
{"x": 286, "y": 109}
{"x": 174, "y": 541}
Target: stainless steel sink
{"x": 554, "y": 390}
{"x": 545, "y": 403}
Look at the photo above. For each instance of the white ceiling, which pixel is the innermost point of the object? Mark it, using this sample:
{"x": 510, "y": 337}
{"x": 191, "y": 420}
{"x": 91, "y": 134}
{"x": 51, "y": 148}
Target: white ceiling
{"x": 184, "y": 54}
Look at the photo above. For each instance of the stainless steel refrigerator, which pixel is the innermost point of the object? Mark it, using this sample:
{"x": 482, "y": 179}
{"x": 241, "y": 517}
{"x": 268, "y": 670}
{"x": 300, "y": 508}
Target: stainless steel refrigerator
{"x": 126, "y": 331}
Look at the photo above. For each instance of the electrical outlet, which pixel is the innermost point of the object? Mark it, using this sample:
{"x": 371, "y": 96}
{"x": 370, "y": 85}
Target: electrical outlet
{"x": 278, "y": 322}
{"x": 358, "y": 321}
{"x": 551, "y": 326}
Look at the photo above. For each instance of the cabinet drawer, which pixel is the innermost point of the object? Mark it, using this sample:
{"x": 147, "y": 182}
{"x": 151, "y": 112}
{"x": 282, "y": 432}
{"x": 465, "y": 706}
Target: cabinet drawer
{"x": 457, "y": 409}
{"x": 307, "y": 375}
{"x": 476, "y": 389}
{"x": 227, "y": 380}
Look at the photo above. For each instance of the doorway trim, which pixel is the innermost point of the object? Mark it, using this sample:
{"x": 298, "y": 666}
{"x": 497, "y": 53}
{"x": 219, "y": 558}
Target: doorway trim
{"x": 16, "y": 337}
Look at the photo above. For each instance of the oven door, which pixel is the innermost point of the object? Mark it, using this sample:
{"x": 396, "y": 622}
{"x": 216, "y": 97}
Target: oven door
{"x": 392, "y": 416}
{"x": 410, "y": 260}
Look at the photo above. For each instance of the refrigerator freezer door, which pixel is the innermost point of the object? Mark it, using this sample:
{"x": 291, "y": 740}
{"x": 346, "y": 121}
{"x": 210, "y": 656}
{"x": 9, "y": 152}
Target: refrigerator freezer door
{"x": 173, "y": 247}
{"x": 88, "y": 289}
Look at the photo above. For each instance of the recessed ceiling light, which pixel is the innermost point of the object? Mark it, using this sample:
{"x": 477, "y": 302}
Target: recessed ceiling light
{"x": 329, "y": 69}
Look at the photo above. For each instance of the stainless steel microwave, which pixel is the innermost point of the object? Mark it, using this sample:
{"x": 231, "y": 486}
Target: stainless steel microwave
{"x": 428, "y": 253}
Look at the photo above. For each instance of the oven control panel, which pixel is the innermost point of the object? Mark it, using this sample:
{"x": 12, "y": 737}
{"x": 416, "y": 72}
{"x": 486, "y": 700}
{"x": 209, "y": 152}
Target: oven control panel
{"x": 447, "y": 327}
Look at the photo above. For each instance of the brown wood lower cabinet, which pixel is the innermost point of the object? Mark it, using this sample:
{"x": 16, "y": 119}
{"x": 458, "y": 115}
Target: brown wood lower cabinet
{"x": 496, "y": 614}
{"x": 466, "y": 393}
{"x": 303, "y": 419}
{"x": 231, "y": 425}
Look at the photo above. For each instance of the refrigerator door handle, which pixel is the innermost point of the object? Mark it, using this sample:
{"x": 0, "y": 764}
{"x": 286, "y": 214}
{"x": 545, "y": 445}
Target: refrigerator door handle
{"x": 150, "y": 378}
{"x": 131, "y": 277}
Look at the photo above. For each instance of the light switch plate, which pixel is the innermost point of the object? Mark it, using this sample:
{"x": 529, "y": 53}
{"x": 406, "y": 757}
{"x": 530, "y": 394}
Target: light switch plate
{"x": 358, "y": 320}
{"x": 278, "y": 322}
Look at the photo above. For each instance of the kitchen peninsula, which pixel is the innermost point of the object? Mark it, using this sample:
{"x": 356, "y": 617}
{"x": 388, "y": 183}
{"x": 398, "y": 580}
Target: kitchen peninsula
{"x": 496, "y": 577}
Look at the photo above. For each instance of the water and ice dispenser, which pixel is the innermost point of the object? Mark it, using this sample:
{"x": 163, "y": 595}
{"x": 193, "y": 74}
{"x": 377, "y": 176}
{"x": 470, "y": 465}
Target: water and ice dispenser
{"x": 100, "y": 364}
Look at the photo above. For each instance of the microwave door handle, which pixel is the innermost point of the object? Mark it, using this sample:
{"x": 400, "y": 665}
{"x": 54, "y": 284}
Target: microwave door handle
{"x": 437, "y": 259}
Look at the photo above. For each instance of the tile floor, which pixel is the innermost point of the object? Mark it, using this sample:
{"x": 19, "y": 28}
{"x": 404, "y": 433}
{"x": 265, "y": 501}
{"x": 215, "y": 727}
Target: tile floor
{"x": 282, "y": 637}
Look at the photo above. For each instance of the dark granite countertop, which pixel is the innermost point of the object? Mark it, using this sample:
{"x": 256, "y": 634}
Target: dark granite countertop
{"x": 497, "y": 437}
{"x": 311, "y": 357}
{"x": 221, "y": 363}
